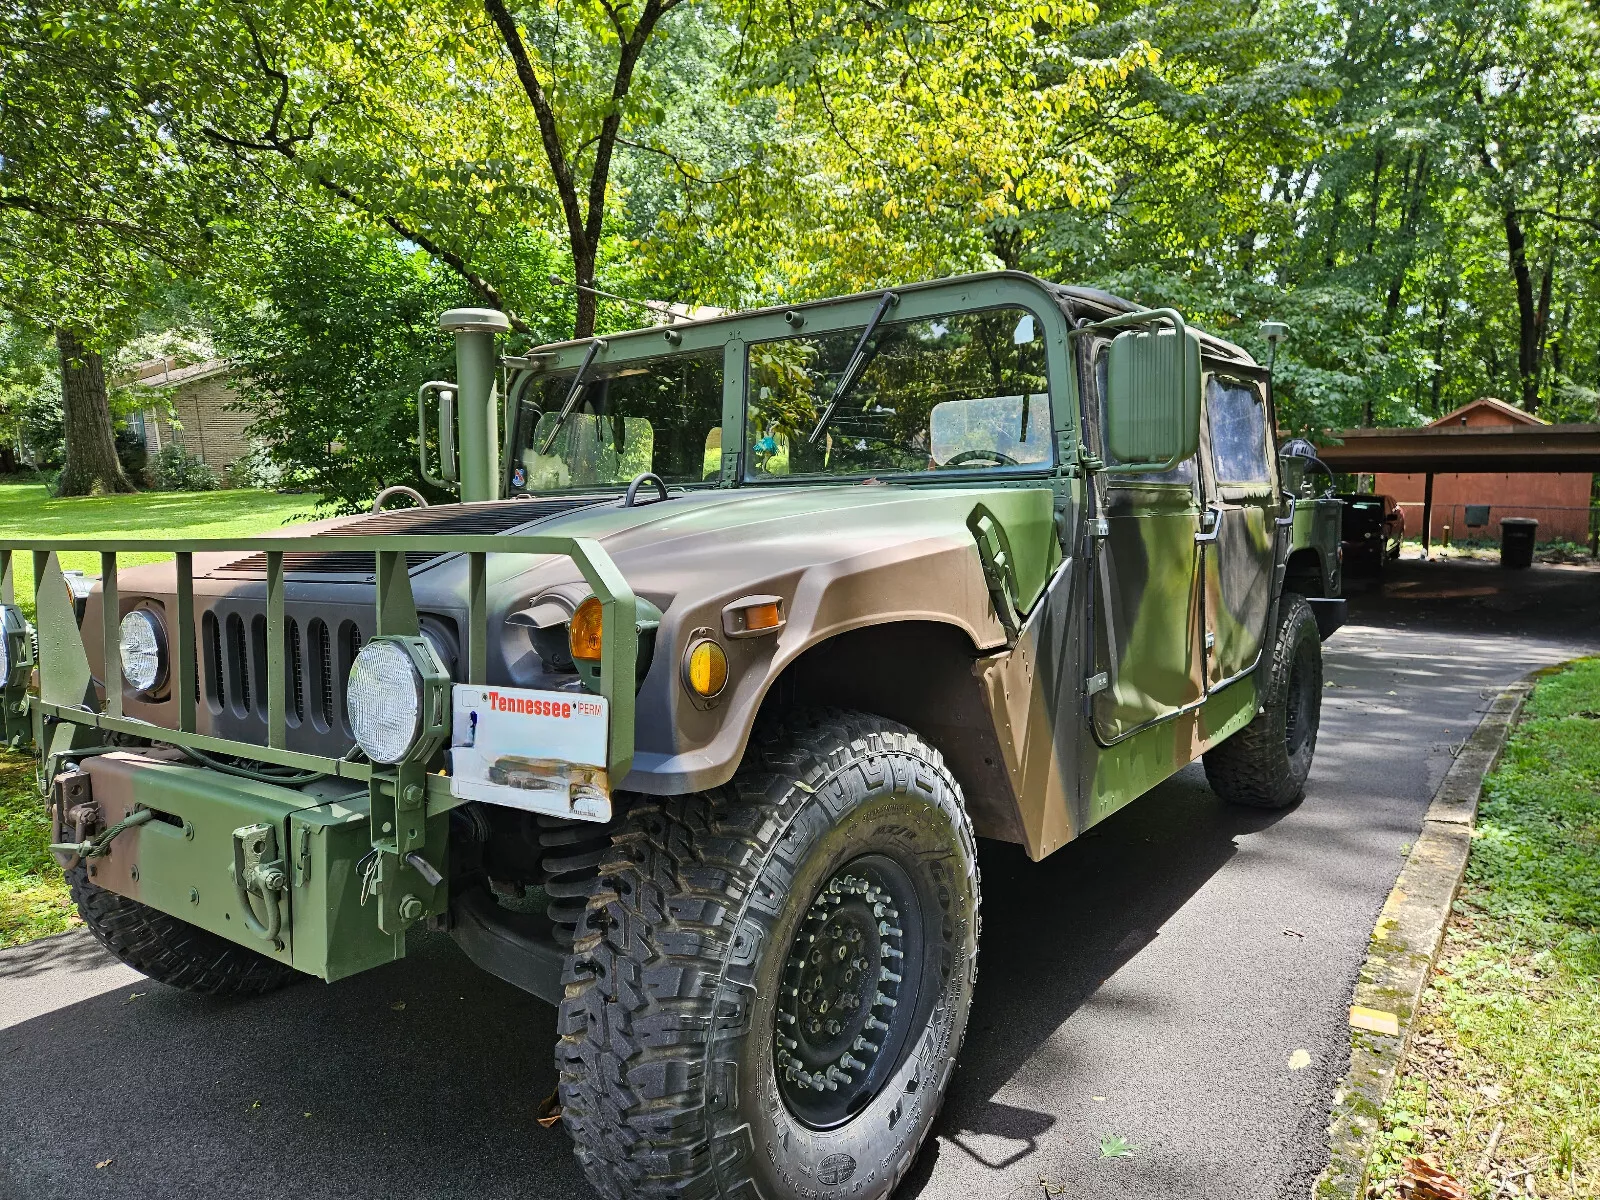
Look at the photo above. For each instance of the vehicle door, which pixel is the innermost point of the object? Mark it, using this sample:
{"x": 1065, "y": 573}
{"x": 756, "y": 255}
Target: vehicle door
{"x": 1237, "y": 532}
{"x": 1147, "y": 600}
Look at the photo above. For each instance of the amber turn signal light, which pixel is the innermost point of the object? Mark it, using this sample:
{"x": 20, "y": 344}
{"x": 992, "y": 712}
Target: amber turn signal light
{"x": 753, "y": 616}
{"x": 705, "y": 669}
{"x": 583, "y": 631}
{"x": 762, "y": 616}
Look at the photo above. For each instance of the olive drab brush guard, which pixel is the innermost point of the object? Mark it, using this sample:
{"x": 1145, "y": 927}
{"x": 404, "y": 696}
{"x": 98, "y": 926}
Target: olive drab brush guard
{"x": 739, "y": 634}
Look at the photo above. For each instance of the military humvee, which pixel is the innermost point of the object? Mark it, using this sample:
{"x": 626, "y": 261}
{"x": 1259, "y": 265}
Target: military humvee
{"x": 686, "y": 717}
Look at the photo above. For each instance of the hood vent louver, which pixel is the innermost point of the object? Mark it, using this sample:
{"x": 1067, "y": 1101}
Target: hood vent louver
{"x": 494, "y": 517}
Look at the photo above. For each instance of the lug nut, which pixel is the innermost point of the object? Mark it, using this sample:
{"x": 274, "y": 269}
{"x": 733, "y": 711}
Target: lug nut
{"x": 889, "y": 1001}
{"x": 855, "y": 1064}
{"x": 874, "y": 1023}
{"x": 885, "y": 973}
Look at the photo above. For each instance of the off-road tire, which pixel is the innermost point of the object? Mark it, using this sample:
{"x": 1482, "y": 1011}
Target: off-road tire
{"x": 667, "y": 1054}
{"x": 171, "y": 951}
{"x": 1266, "y": 763}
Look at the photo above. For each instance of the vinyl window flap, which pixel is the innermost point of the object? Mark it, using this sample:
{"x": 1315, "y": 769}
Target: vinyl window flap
{"x": 523, "y": 748}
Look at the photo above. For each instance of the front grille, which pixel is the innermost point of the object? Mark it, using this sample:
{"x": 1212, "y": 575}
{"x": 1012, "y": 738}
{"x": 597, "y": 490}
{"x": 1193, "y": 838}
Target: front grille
{"x": 295, "y": 669}
{"x": 316, "y": 663}
{"x": 496, "y": 516}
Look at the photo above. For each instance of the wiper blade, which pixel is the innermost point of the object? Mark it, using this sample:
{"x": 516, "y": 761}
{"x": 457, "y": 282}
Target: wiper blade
{"x": 853, "y": 369}
{"x": 574, "y": 394}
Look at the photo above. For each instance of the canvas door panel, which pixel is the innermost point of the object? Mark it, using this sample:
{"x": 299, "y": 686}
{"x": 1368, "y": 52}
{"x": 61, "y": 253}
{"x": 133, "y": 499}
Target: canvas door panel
{"x": 1148, "y": 611}
{"x": 1240, "y": 482}
{"x": 1238, "y": 574}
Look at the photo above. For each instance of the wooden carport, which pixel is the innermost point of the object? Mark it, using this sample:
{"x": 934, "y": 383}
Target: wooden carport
{"x": 1434, "y": 449}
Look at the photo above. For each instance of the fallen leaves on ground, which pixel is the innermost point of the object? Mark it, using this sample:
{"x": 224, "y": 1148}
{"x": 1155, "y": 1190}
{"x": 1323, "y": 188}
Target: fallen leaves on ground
{"x": 1113, "y": 1146}
{"x": 549, "y": 1110}
{"x": 101, "y": 1166}
{"x": 1425, "y": 1179}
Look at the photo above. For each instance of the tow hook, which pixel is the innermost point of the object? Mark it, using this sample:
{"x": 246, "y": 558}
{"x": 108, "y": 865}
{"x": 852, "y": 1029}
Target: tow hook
{"x": 258, "y": 871}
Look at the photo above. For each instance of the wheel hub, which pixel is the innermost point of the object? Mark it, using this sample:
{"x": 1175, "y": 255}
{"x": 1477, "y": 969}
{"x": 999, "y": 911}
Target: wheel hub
{"x": 843, "y": 988}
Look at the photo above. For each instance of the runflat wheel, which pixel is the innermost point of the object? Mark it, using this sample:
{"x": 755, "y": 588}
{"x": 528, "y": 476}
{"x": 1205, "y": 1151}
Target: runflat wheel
{"x": 775, "y": 977}
{"x": 1265, "y": 764}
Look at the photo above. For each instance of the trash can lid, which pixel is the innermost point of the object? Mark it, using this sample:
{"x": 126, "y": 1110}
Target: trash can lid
{"x": 1519, "y": 521}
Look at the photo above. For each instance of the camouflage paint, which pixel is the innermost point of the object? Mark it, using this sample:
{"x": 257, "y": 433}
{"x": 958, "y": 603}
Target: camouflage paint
{"x": 182, "y": 862}
{"x": 842, "y": 556}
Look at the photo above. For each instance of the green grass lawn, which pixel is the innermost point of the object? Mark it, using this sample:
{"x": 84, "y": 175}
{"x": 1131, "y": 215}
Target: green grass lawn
{"x": 28, "y": 511}
{"x": 33, "y": 897}
{"x": 1508, "y": 1036}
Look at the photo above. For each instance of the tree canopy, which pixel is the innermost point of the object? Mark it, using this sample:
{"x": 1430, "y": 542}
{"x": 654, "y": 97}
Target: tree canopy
{"x": 1414, "y": 189}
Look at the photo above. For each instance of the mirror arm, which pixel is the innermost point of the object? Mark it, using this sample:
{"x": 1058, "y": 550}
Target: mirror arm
{"x": 1142, "y": 316}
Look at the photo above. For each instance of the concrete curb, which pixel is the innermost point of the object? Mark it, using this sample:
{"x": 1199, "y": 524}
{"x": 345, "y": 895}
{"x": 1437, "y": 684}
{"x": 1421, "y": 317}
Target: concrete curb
{"x": 1404, "y": 945}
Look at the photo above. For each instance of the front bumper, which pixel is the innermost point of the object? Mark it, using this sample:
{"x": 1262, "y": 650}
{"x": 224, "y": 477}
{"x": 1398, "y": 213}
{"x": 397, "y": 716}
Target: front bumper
{"x": 183, "y": 862}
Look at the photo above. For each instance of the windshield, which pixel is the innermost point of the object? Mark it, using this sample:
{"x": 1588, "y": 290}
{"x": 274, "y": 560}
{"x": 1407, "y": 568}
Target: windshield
{"x": 964, "y": 391}
{"x": 659, "y": 414}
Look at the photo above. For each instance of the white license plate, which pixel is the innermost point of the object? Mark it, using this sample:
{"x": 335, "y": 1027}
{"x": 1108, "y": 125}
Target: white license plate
{"x": 540, "y": 751}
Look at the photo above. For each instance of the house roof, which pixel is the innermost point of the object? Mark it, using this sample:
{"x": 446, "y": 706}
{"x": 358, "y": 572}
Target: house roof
{"x": 1517, "y": 415}
{"x": 165, "y": 373}
{"x": 1524, "y": 446}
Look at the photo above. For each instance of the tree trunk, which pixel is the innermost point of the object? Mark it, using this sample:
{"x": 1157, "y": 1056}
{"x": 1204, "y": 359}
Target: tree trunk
{"x": 1438, "y": 353}
{"x": 1527, "y": 312}
{"x": 1541, "y": 322}
{"x": 583, "y": 261}
{"x": 86, "y": 417}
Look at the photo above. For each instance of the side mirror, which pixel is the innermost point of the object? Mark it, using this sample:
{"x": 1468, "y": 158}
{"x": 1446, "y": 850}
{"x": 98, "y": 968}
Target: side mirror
{"x": 1152, "y": 399}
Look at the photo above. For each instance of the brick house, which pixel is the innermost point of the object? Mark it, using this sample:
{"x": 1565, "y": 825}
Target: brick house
{"x": 1559, "y": 501}
{"x": 205, "y": 418}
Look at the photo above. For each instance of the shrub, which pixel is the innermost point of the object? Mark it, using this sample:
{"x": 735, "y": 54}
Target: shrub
{"x": 176, "y": 470}
{"x": 253, "y": 469}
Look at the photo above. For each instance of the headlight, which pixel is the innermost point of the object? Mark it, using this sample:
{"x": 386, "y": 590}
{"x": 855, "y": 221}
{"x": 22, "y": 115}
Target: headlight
{"x": 16, "y": 656}
{"x": 385, "y": 701}
{"x": 144, "y": 650}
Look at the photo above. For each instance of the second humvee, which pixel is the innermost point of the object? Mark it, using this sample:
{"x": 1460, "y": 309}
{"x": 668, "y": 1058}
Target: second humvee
{"x": 686, "y": 717}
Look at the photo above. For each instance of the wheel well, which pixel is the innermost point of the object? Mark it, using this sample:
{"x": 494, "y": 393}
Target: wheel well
{"x": 1304, "y": 573}
{"x": 919, "y": 673}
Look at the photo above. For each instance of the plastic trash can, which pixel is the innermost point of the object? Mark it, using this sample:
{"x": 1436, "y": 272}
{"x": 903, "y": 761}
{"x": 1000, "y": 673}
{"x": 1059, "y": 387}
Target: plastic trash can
{"x": 1516, "y": 541}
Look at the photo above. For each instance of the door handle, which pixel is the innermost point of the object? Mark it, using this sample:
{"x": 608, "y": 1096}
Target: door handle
{"x": 1210, "y": 524}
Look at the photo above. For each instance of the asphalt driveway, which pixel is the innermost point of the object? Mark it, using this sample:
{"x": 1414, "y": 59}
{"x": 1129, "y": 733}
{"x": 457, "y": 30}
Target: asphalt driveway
{"x": 1152, "y": 981}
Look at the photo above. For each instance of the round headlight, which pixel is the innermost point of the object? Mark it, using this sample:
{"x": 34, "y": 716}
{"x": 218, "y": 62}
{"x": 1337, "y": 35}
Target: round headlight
{"x": 144, "y": 650}
{"x": 385, "y": 700}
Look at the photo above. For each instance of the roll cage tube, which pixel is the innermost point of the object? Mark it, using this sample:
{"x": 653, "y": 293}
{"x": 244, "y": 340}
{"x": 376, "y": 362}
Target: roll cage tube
{"x": 1144, "y": 316}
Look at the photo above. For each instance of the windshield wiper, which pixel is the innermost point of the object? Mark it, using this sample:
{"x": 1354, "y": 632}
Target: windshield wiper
{"x": 853, "y": 368}
{"x": 574, "y": 394}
